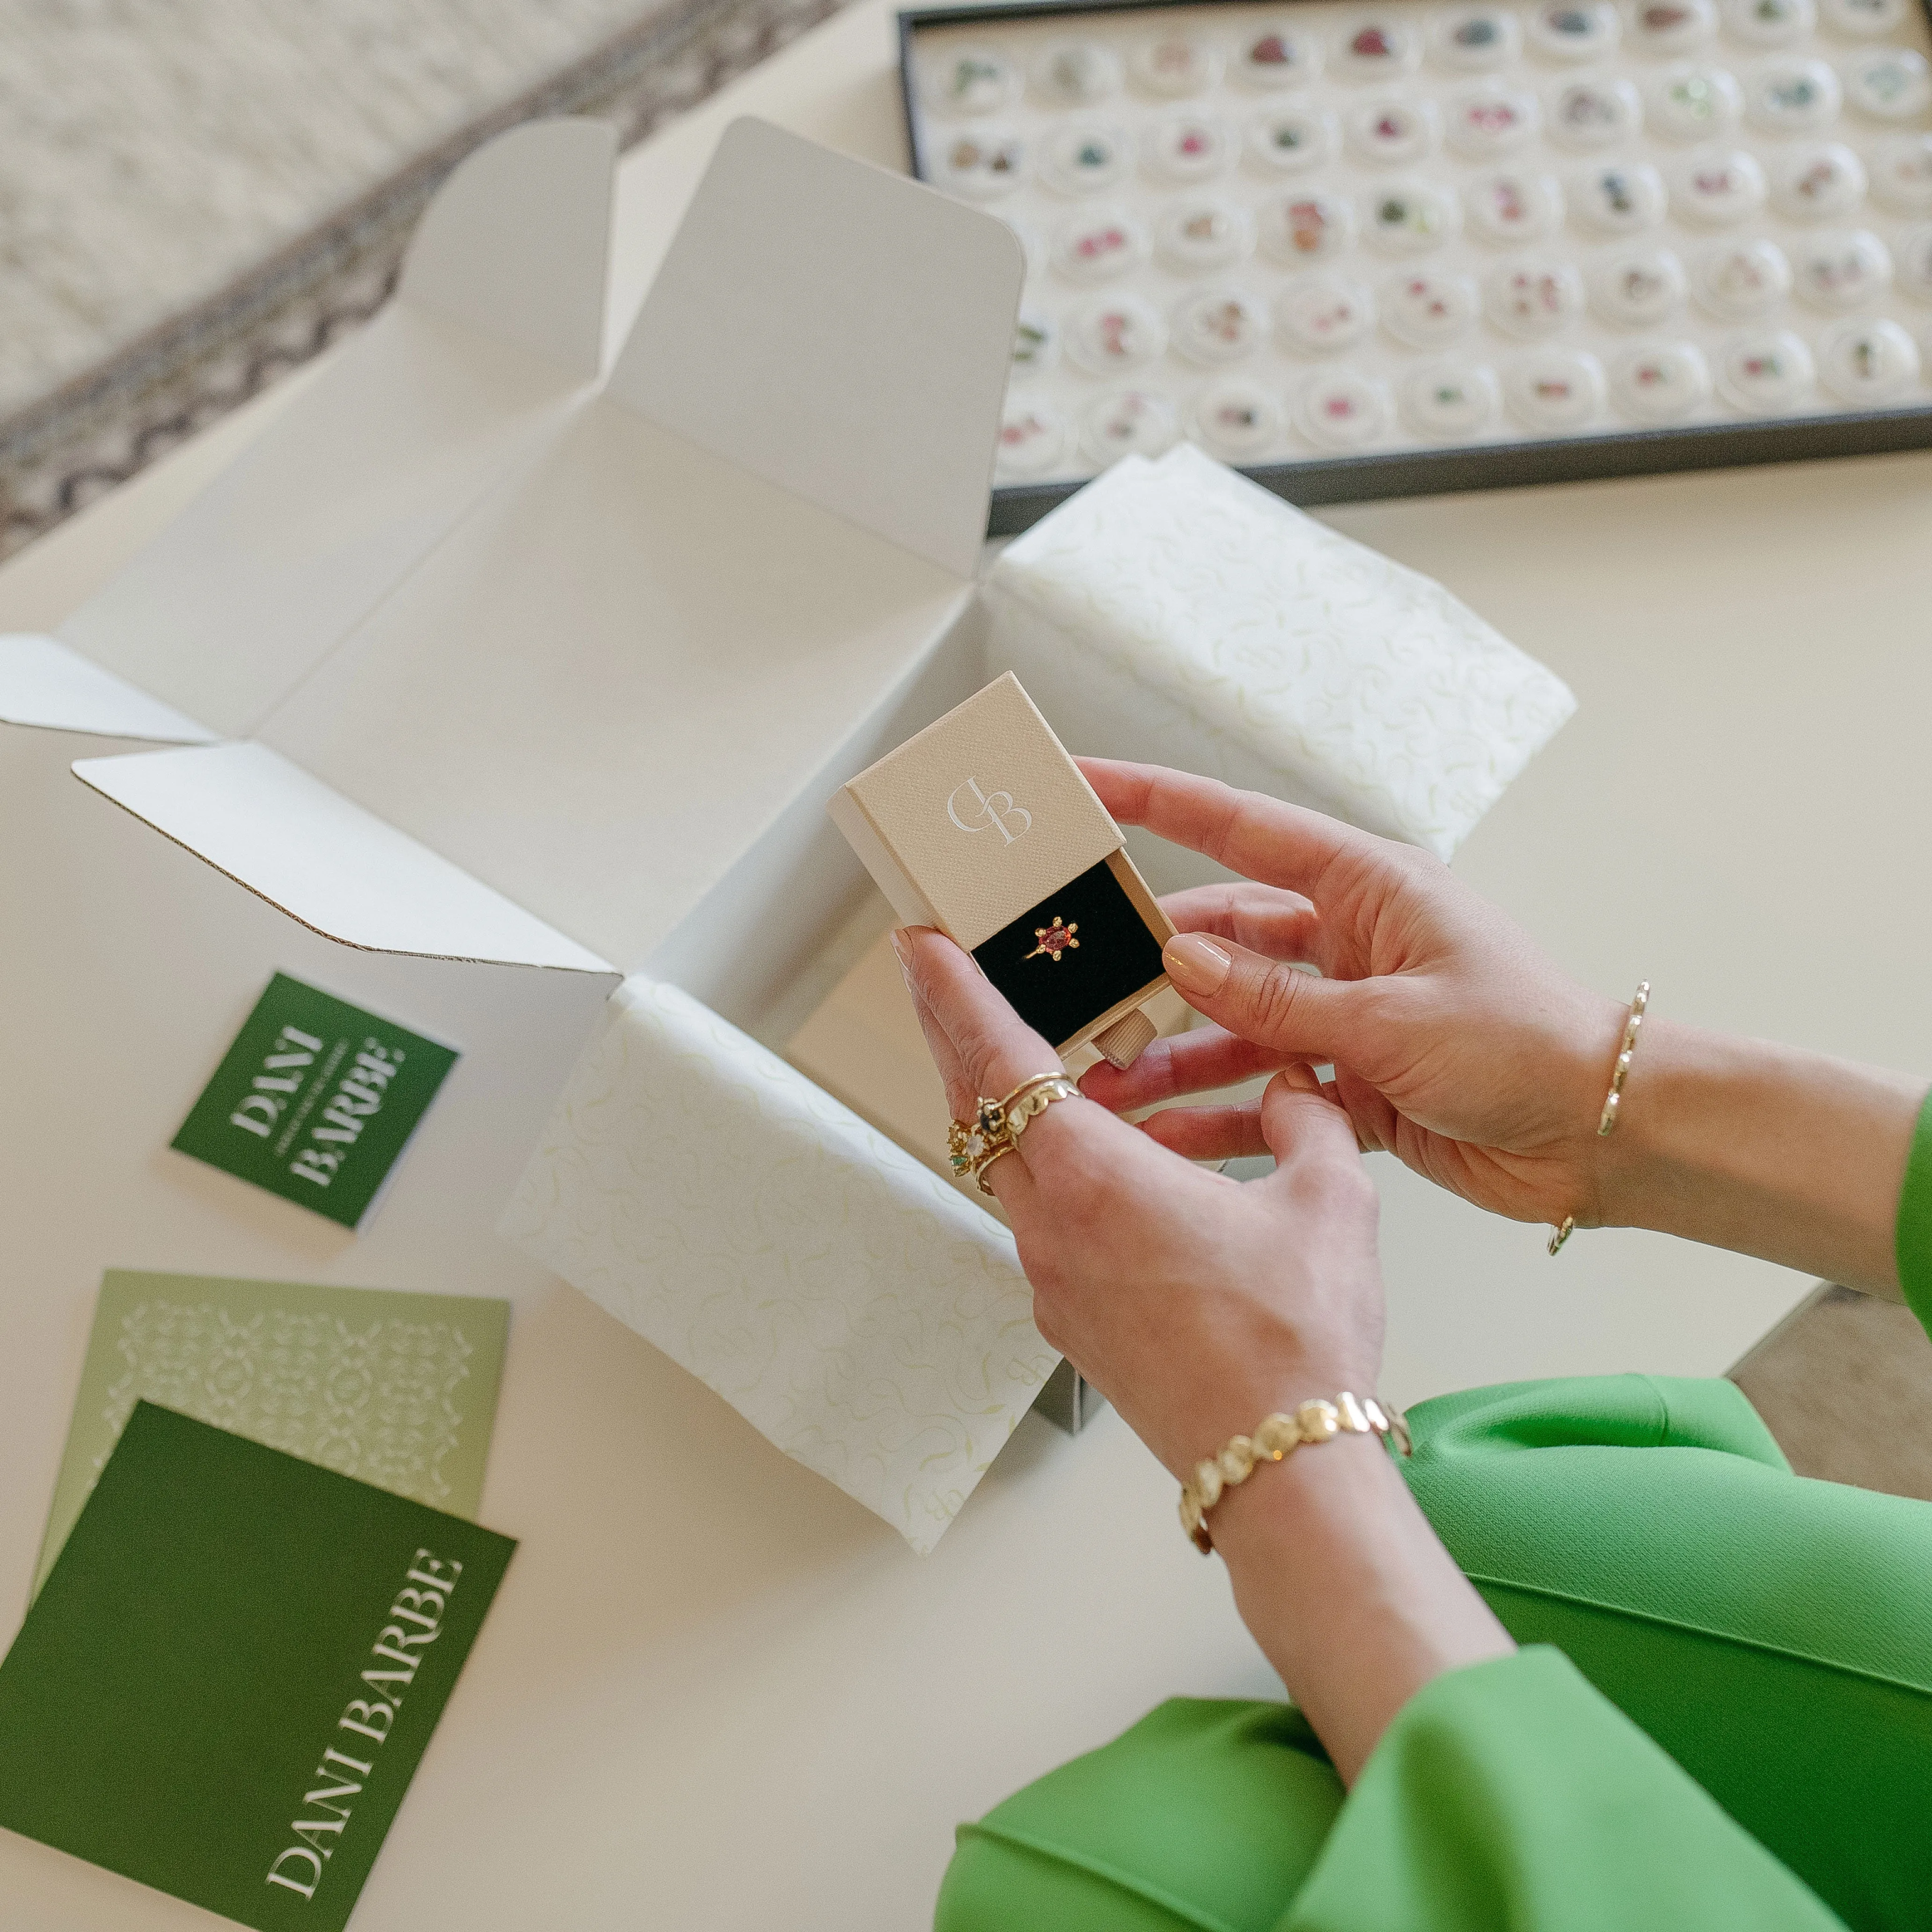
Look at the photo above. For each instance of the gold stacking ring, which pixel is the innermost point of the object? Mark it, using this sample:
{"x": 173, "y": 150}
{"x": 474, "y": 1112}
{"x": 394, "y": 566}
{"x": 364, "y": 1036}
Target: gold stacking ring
{"x": 996, "y": 1125}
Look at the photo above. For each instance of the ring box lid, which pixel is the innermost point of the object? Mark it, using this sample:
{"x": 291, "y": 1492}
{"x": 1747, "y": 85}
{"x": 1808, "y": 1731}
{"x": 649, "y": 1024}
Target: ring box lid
{"x": 976, "y": 818}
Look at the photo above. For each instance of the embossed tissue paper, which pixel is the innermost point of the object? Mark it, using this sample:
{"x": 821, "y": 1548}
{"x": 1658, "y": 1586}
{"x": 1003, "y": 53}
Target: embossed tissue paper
{"x": 862, "y": 1314}
{"x": 1188, "y": 617}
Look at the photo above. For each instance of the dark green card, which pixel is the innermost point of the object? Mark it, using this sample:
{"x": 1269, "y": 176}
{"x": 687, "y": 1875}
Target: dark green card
{"x": 315, "y": 1100}
{"x": 226, "y": 1684}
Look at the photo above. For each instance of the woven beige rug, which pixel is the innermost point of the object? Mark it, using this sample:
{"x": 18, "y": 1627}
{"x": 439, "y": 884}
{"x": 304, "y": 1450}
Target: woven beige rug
{"x": 196, "y": 196}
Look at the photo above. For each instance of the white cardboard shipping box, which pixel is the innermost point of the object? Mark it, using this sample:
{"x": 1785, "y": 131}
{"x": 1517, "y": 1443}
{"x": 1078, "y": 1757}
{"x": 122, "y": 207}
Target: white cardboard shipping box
{"x": 493, "y": 648}
{"x": 498, "y": 646}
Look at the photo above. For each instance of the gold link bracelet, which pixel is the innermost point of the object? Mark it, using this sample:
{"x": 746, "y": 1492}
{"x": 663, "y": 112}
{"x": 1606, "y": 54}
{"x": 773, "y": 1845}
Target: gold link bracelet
{"x": 1276, "y": 1437}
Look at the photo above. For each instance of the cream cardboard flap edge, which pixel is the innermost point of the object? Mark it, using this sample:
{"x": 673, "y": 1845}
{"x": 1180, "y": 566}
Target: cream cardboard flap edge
{"x": 705, "y": 353}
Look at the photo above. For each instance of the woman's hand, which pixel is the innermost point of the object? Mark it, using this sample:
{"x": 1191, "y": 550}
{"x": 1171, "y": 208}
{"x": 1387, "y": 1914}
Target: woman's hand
{"x": 1456, "y": 1045}
{"x": 1197, "y": 1305}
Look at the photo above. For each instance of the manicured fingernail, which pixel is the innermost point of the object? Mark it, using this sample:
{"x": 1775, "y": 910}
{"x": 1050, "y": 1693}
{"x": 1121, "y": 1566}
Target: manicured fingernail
{"x": 902, "y": 946}
{"x": 1196, "y": 964}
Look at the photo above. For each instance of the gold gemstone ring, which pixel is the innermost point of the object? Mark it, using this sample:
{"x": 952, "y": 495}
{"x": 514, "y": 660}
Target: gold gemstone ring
{"x": 973, "y": 1145}
{"x": 1054, "y": 939}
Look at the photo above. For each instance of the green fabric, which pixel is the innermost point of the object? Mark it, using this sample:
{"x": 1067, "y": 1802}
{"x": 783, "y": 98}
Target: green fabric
{"x": 1763, "y": 1649}
{"x": 1226, "y": 1817}
{"x": 1753, "y": 1622}
{"x": 1913, "y": 1239}
{"x": 1768, "y": 1633}
{"x": 1510, "y": 1794}
{"x": 1137, "y": 1835}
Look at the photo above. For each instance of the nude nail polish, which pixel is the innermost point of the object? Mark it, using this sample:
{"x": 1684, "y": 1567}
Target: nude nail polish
{"x": 1196, "y": 964}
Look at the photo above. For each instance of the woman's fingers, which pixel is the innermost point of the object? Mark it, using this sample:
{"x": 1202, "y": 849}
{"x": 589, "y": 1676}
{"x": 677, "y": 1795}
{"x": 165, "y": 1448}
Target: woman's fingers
{"x": 1277, "y": 1123}
{"x": 1265, "y": 919}
{"x": 1189, "y": 1063}
{"x": 982, "y": 1047}
{"x": 992, "y": 1049}
{"x": 1292, "y": 1014}
{"x": 1376, "y": 1123}
{"x": 952, "y": 1074}
{"x": 971, "y": 1042}
{"x": 1301, "y": 1121}
{"x": 1261, "y": 837}
{"x": 1209, "y": 1133}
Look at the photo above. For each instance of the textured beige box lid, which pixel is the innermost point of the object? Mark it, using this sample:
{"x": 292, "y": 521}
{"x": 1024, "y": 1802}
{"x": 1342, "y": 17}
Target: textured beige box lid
{"x": 977, "y": 818}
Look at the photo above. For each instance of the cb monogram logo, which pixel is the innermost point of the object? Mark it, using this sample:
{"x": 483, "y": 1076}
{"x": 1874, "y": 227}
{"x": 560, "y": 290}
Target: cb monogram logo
{"x": 989, "y": 811}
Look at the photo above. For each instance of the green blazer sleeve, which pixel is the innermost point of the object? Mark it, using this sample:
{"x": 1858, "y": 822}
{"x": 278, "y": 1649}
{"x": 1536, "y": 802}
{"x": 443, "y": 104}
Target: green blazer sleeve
{"x": 1512, "y": 1794}
{"x": 1914, "y": 1234}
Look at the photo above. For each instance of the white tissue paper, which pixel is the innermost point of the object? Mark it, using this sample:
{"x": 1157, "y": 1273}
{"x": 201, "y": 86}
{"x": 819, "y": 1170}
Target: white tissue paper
{"x": 1184, "y": 615}
{"x": 856, "y": 1309}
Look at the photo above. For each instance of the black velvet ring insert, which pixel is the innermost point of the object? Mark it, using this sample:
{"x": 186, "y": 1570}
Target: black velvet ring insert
{"x": 1112, "y": 955}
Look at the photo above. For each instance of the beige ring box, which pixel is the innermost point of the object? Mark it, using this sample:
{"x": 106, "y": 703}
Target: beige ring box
{"x": 982, "y": 825}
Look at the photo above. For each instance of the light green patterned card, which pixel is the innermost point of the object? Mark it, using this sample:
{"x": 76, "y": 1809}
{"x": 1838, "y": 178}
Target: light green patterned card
{"x": 396, "y": 1390}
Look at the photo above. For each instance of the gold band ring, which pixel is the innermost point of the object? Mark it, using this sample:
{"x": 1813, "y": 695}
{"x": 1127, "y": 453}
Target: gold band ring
{"x": 973, "y": 1146}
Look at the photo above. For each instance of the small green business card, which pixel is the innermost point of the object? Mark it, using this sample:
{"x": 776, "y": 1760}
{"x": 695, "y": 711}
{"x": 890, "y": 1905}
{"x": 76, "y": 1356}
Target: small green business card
{"x": 231, "y": 1674}
{"x": 396, "y": 1390}
{"x": 315, "y": 1100}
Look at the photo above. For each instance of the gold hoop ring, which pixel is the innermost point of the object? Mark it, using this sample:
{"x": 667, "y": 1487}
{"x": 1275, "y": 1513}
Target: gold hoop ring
{"x": 973, "y": 1146}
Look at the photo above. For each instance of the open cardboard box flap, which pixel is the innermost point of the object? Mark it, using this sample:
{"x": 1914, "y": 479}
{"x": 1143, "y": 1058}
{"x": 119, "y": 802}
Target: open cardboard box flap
{"x": 669, "y": 622}
{"x": 305, "y": 848}
{"x": 494, "y": 333}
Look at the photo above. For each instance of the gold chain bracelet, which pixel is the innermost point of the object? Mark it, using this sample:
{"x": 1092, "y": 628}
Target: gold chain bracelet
{"x": 1613, "y": 1100}
{"x": 1278, "y": 1436}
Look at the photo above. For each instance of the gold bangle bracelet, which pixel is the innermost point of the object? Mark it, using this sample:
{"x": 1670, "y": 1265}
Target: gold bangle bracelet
{"x": 1276, "y": 1437}
{"x": 1607, "y": 1119}
{"x": 1613, "y": 1100}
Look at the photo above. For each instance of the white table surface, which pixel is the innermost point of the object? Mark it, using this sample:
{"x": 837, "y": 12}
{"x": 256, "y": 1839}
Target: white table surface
{"x": 713, "y": 1692}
